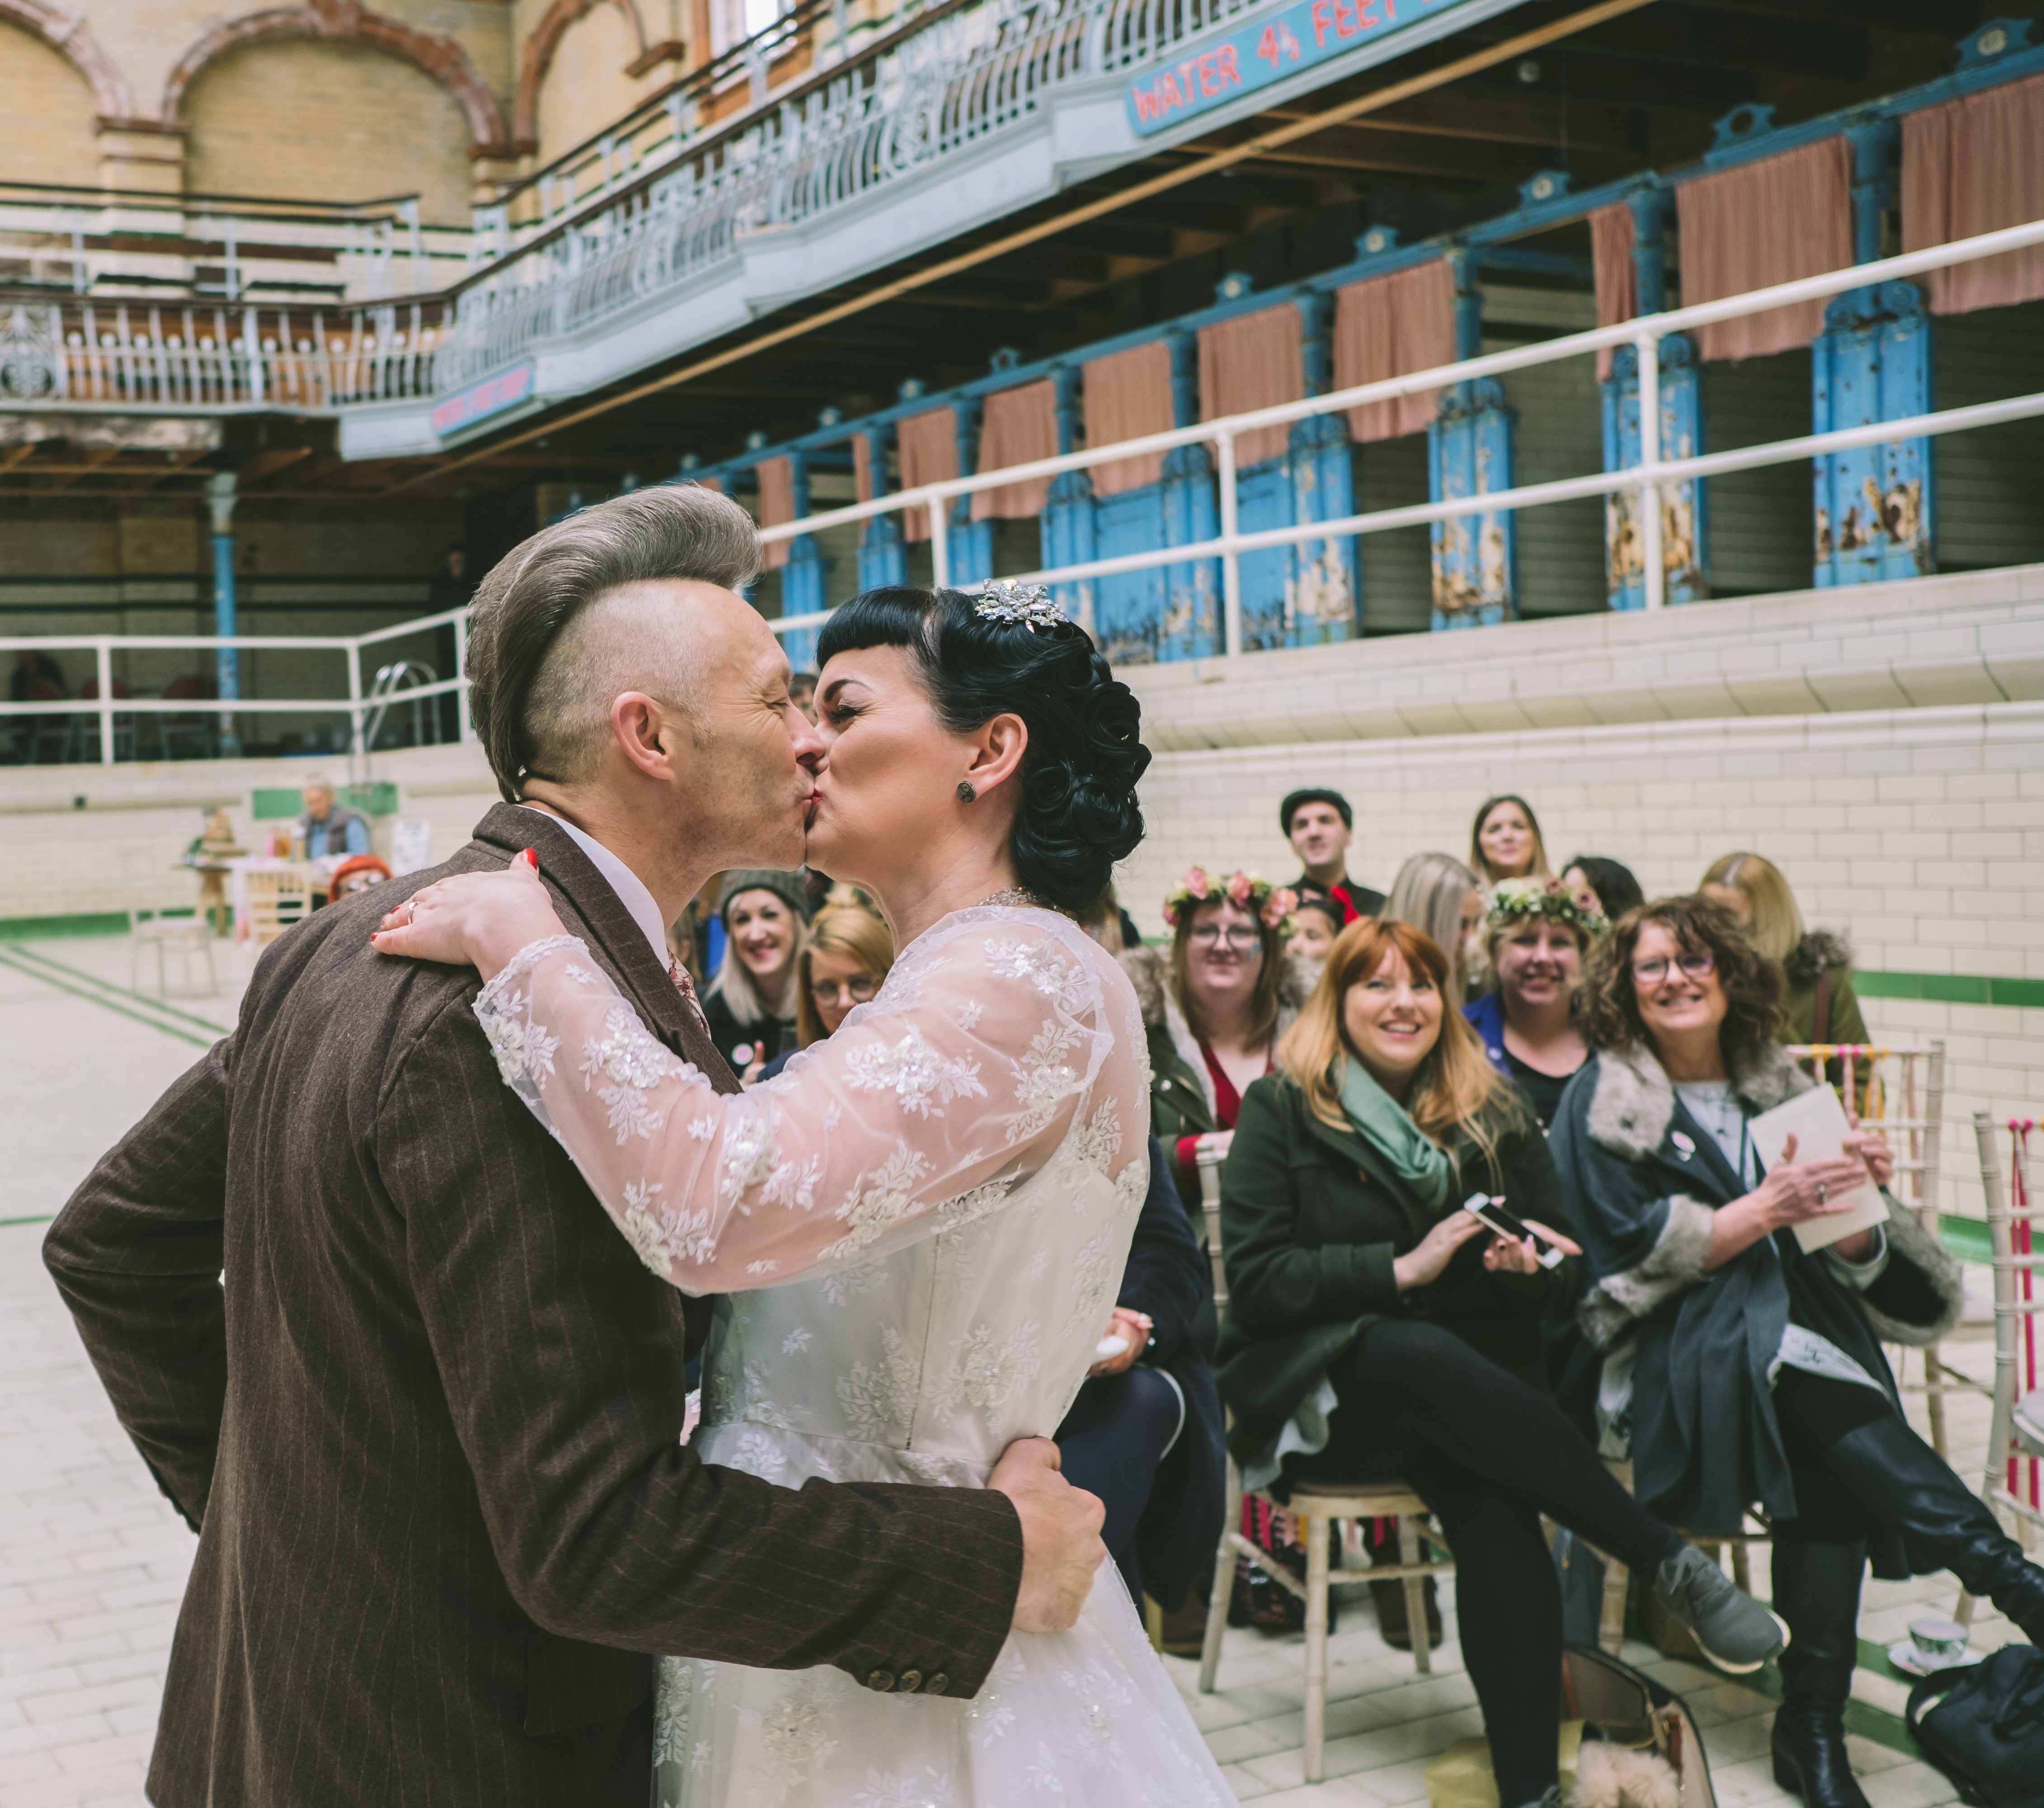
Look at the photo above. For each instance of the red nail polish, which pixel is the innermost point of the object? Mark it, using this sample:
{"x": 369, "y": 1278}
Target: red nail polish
{"x": 531, "y": 858}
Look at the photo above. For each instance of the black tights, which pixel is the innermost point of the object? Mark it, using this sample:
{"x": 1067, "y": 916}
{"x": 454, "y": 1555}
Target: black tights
{"x": 1489, "y": 1455}
{"x": 1814, "y": 1412}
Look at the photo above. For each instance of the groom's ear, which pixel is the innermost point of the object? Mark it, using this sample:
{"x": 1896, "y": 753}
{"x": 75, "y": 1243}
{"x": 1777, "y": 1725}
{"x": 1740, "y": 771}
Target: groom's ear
{"x": 997, "y": 752}
{"x": 646, "y": 733}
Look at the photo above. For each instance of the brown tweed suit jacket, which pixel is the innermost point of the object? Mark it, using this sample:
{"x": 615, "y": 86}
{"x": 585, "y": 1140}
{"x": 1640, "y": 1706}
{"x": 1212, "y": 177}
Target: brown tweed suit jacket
{"x": 422, "y": 1403}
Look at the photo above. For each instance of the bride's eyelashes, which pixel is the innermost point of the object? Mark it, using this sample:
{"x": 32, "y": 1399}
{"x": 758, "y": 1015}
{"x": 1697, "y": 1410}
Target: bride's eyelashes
{"x": 843, "y": 715}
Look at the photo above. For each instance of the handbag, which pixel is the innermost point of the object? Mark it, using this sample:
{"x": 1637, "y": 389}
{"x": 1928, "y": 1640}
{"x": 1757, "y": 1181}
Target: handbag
{"x": 1986, "y": 1733}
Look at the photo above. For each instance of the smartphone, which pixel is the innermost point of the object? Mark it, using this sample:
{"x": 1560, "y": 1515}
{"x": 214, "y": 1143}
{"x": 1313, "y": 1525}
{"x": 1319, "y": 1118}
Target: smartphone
{"x": 1488, "y": 1209}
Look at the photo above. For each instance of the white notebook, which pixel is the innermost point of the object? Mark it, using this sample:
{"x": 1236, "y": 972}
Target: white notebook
{"x": 1817, "y": 1122}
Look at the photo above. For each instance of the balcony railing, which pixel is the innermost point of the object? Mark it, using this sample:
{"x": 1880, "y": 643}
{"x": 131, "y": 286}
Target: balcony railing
{"x": 1648, "y": 482}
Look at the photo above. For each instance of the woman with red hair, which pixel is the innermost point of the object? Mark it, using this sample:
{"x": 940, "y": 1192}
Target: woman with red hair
{"x": 1376, "y": 1331}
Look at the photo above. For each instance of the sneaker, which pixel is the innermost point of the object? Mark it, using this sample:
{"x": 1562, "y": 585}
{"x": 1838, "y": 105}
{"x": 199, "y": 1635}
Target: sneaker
{"x": 1735, "y": 1632}
{"x": 1551, "y": 1799}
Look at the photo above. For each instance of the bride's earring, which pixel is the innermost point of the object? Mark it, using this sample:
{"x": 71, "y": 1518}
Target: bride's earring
{"x": 965, "y": 793}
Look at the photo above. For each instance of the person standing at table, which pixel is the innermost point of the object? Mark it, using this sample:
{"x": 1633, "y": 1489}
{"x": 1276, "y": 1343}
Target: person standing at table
{"x": 1320, "y": 825}
{"x": 327, "y": 830}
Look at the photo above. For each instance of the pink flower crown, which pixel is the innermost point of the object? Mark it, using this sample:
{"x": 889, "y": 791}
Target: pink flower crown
{"x": 1271, "y": 904}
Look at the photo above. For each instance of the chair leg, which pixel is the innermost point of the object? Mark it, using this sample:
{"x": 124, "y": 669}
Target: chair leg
{"x": 1742, "y": 1567}
{"x": 1610, "y": 1616}
{"x": 1315, "y": 1531}
{"x": 1223, "y": 1584}
{"x": 1416, "y": 1598}
{"x": 1934, "y": 1399}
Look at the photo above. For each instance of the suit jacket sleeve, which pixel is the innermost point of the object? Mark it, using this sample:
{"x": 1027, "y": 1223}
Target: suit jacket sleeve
{"x": 1167, "y": 1275}
{"x": 561, "y": 1360}
{"x": 137, "y": 1254}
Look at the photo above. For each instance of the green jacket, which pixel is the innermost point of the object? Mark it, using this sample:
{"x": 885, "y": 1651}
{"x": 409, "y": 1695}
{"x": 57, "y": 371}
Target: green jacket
{"x": 1311, "y": 1219}
{"x": 1817, "y": 954}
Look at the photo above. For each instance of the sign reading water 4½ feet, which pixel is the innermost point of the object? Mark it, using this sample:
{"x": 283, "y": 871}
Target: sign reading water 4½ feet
{"x": 1267, "y": 49}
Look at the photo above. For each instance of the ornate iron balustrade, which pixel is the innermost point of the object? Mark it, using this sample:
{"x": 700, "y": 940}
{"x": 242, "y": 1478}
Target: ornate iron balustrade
{"x": 960, "y": 76}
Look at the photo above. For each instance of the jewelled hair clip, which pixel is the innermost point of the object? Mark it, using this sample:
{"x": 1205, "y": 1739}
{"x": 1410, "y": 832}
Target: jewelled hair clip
{"x": 1029, "y": 604}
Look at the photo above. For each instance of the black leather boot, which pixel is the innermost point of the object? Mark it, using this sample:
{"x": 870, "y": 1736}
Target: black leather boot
{"x": 1906, "y": 1485}
{"x": 1816, "y": 1591}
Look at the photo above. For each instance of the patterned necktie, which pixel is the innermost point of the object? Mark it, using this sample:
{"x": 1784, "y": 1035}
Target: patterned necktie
{"x": 687, "y": 987}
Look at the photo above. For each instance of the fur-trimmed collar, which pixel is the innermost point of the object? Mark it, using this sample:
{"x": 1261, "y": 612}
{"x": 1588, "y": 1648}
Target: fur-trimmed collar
{"x": 1634, "y": 1100}
{"x": 1817, "y": 952}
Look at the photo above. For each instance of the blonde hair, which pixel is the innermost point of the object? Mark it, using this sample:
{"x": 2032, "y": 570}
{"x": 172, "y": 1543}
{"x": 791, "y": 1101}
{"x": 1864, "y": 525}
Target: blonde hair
{"x": 1772, "y": 920}
{"x": 734, "y": 978}
{"x": 1539, "y": 869}
{"x": 1428, "y": 894}
{"x": 1456, "y": 1084}
{"x": 849, "y": 929}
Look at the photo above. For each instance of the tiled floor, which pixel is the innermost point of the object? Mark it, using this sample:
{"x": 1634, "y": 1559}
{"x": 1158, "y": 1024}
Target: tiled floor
{"x": 92, "y": 1562}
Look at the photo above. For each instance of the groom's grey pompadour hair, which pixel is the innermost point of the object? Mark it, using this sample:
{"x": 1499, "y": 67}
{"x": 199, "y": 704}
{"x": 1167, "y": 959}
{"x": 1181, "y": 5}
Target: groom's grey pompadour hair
{"x": 534, "y": 675}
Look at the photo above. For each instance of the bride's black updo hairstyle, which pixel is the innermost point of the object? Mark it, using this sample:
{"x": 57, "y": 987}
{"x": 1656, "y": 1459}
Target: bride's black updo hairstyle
{"x": 1078, "y": 813}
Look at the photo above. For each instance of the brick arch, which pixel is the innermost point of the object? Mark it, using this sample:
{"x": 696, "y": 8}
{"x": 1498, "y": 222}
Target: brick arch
{"x": 348, "y": 21}
{"x": 537, "y": 57}
{"x": 71, "y": 38}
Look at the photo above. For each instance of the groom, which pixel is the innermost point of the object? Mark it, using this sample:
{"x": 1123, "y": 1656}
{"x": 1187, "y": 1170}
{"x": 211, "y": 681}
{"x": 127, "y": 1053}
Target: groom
{"x": 386, "y": 1354}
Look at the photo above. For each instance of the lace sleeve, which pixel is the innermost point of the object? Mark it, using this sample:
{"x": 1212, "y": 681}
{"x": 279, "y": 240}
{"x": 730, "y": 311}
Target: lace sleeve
{"x": 928, "y": 1107}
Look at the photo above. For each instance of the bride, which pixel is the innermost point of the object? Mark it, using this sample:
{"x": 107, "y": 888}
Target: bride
{"x": 918, "y": 1228}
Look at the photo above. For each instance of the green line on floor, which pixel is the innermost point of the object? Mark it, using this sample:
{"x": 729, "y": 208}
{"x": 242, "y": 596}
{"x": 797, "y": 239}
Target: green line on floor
{"x": 38, "y": 1217}
{"x": 29, "y": 970}
{"x": 163, "y": 1006}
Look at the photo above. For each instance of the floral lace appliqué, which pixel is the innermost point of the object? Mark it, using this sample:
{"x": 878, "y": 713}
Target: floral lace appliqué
{"x": 923, "y": 1080}
{"x": 988, "y": 1368}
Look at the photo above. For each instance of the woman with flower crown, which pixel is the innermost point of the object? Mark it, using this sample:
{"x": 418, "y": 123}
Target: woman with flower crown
{"x": 1214, "y": 1004}
{"x": 1535, "y": 936}
{"x": 919, "y": 1225}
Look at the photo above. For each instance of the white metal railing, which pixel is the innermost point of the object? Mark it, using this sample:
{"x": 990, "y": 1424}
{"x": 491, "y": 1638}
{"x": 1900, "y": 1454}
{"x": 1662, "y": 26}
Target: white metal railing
{"x": 969, "y": 71}
{"x": 359, "y": 705}
{"x": 1652, "y": 476}
{"x": 187, "y": 360}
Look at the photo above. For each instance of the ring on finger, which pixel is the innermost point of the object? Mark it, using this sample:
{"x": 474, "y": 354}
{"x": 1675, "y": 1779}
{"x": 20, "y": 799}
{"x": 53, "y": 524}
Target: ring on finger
{"x": 1823, "y": 1192}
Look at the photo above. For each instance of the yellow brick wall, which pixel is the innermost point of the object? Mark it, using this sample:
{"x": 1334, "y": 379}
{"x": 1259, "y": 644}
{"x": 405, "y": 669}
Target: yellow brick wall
{"x": 326, "y": 122}
{"x": 586, "y": 87}
{"x": 46, "y": 121}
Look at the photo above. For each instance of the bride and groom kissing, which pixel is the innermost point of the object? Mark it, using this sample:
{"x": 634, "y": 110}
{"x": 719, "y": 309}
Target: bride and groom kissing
{"x": 415, "y": 1387}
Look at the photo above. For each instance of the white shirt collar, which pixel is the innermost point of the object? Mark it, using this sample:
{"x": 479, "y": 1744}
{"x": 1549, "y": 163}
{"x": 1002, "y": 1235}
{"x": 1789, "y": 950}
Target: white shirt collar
{"x": 631, "y": 889}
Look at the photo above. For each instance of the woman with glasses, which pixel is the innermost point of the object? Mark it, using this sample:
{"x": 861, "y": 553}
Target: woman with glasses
{"x": 1736, "y": 1367}
{"x": 847, "y": 954}
{"x": 1213, "y": 1006}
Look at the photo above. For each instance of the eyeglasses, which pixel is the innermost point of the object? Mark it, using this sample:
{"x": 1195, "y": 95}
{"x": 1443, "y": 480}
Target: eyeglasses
{"x": 1242, "y": 940}
{"x": 856, "y": 990}
{"x": 1694, "y": 966}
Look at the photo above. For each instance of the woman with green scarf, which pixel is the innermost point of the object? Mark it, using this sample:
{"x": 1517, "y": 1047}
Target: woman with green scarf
{"x": 1374, "y": 1331}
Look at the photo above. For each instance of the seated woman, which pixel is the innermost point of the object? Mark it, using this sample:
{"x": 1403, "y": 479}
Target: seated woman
{"x": 750, "y": 1003}
{"x": 1818, "y": 1003}
{"x": 1598, "y": 884}
{"x": 1145, "y": 1433}
{"x": 848, "y": 951}
{"x": 1213, "y": 1006}
{"x": 1373, "y": 1333}
{"x": 1535, "y": 935}
{"x": 1739, "y": 1368}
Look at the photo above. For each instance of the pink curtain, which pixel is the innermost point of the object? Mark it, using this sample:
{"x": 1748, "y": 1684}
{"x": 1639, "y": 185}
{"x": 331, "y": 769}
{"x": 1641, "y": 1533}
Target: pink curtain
{"x": 928, "y": 444}
{"x": 1019, "y": 426}
{"x": 1128, "y": 396}
{"x": 1972, "y": 166}
{"x": 862, "y": 468}
{"x": 1617, "y": 276}
{"x": 1252, "y": 361}
{"x": 1387, "y": 327}
{"x": 776, "y": 506}
{"x": 1762, "y": 223}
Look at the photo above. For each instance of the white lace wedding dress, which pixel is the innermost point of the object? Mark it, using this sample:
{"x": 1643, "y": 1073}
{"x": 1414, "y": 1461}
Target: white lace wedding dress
{"x": 938, "y": 1203}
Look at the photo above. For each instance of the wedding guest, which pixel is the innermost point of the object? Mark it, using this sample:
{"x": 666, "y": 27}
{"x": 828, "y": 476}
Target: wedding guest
{"x": 751, "y": 1003}
{"x": 1535, "y": 937}
{"x": 356, "y": 873}
{"x": 1320, "y": 825}
{"x": 326, "y": 830}
{"x": 846, "y": 954}
{"x": 1441, "y": 899}
{"x": 1109, "y": 924}
{"x": 1599, "y": 884}
{"x": 1213, "y": 1005}
{"x": 802, "y": 693}
{"x": 1818, "y": 1003}
{"x": 1504, "y": 841}
{"x": 1146, "y": 1432}
{"x": 1315, "y": 924}
{"x": 1374, "y": 1330}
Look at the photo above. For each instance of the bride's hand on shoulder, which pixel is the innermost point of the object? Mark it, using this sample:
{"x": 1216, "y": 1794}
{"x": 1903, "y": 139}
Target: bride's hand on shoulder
{"x": 472, "y": 919}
